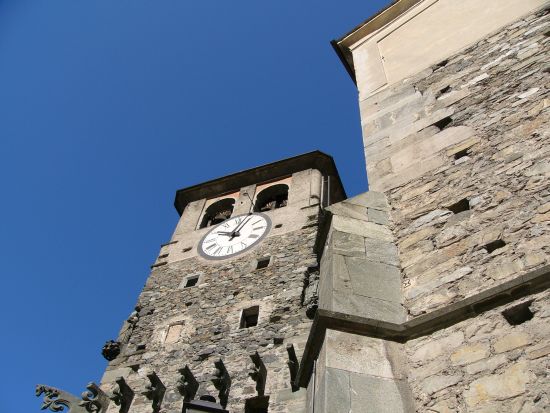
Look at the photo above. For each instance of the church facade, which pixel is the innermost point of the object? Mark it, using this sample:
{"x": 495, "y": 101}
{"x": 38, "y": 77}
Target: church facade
{"x": 429, "y": 293}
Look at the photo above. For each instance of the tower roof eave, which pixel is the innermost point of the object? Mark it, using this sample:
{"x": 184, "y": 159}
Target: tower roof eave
{"x": 311, "y": 160}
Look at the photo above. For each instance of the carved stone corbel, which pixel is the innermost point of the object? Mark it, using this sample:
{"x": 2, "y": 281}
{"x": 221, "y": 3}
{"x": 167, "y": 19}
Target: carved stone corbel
{"x": 222, "y": 382}
{"x": 94, "y": 400}
{"x": 293, "y": 365}
{"x": 154, "y": 391}
{"x": 258, "y": 373}
{"x": 187, "y": 385}
{"x": 122, "y": 395}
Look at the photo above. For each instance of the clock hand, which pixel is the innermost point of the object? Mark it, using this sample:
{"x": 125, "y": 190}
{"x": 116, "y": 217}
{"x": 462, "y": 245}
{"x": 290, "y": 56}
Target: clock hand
{"x": 236, "y": 230}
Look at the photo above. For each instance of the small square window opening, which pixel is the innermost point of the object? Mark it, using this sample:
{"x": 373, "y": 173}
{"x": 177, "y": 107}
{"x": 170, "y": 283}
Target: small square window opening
{"x": 262, "y": 263}
{"x": 191, "y": 281}
{"x": 249, "y": 317}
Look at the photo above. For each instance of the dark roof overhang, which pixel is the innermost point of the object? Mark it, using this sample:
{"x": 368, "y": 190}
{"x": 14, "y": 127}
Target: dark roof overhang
{"x": 230, "y": 183}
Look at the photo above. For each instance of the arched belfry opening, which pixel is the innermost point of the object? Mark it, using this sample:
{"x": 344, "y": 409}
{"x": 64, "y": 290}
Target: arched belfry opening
{"x": 218, "y": 212}
{"x": 273, "y": 197}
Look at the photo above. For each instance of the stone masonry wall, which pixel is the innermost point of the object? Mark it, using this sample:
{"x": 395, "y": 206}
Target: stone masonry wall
{"x": 485, "y": 364}
{"x": 461, "y": 150}
{"x": 200, "y": 324}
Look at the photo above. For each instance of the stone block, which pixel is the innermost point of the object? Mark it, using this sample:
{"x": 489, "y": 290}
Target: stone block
{"x": 337, "y": 391}
{"x": 434, "y": 384}
{"x": 372, "y": 279}
{"x": 411, "y": 173}
{"x": 344, "y": 243}
{"x": 436, "y": 347}
{"x": 364, "y": 355}
{"x": 347, "y": 209}
{"x": 374, "y": 308}
{"x": 378, "y": 217}
{"x": 429, "y": 146}
{"x": 380, "y": 251}
{"x": 370, "y": 199}
{"x": 379, "y": 395}
{"x": 470, "y": 354}
{"x": 432, "y": 217}
{"x": 364, "y": 229}
{"x": 538, "y": 351}
{"x": 489, "y": 364}
{"x": 510, "y": 383}
{"x": 420, "y": 235}
{"x": 511, "y": 341}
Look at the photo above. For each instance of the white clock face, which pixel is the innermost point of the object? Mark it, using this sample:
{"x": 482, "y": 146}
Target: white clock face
{"x": 234, "y": 236}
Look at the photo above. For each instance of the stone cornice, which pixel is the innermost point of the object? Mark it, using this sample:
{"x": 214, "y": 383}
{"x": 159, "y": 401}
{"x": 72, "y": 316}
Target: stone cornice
{"x": 311, "y": 160}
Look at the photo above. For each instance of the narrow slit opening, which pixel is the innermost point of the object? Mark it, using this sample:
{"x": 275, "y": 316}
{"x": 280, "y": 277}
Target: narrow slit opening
{"x": 460, "y": 206}
{"x": 441, "y": 64}
{"x": 462, "y": 153}
{"x": 443, "y": 123}
{"x": 494, "y": 245}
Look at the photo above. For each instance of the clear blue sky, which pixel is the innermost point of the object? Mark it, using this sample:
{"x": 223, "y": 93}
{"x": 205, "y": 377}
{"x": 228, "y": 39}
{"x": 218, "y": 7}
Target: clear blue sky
{"x": 106, "y": 108}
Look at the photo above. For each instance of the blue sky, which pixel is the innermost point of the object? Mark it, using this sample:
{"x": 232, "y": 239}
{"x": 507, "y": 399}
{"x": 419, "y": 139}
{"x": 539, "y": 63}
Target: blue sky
{"x": 107, "y": 107}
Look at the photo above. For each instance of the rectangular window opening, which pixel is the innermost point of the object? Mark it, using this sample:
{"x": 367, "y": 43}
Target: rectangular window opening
{"x": 460, "y": 206}
{"x": 249, "y": 317}
{"x": 263, "y": 263}
{"x": 259, "y": 404}
{"x": 191, "y": 281}
{"x": 518, "y": 314}
{"x": 494, "y": 245}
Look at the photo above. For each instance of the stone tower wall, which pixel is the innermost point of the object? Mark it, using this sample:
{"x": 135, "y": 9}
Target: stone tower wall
{"x": 458, "y": 155}
{"x": 488, "y": 103}
{"x": 199, "y": 325}
{"x": 461, "y": 151}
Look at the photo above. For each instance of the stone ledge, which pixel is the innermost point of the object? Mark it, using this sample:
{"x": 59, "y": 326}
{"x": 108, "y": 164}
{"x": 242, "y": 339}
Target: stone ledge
{"x": 524, "y": 285}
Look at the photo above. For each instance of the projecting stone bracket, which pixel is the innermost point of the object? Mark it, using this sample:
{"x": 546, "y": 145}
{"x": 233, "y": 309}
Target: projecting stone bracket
{"x": 258, "y": 373}
{"x": 187, "y": 385}
{"x": 122, "y": 395}
{"x": 222, "y": 382}
{"x": 154, "y": 391}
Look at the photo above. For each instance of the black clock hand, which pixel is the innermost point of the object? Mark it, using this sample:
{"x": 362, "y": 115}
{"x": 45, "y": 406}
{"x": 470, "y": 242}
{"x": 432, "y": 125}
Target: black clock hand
{"x": 236, "y": 230}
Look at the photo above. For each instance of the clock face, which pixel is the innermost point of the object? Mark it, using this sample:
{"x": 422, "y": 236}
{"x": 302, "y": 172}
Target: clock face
{"x": 234, "y": 236}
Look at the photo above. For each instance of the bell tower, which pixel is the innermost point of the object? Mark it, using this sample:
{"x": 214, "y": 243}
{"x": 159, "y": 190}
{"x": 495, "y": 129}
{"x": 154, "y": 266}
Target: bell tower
{"x": 228, "y": 304}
